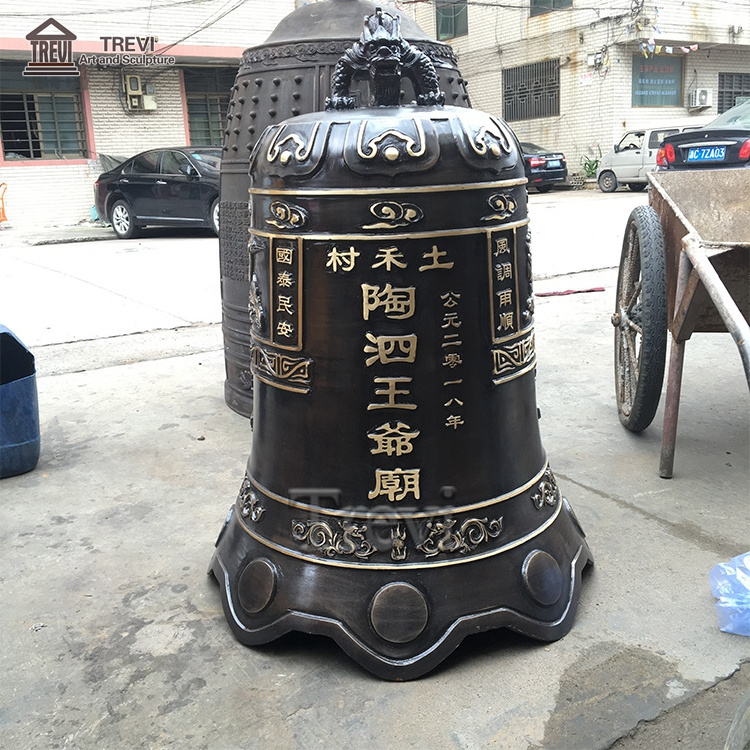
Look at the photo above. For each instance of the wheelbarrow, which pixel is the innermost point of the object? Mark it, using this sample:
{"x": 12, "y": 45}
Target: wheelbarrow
{"x": 685, "y": 268}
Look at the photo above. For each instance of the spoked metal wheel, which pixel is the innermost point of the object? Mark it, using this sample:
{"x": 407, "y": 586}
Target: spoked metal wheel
{"x": 640, "y": 320}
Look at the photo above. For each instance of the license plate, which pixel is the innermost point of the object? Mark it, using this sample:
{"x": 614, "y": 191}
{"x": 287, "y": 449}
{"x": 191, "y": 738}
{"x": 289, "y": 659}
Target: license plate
{"x": 553, "y": 163}
{"x": 707, "y": 153}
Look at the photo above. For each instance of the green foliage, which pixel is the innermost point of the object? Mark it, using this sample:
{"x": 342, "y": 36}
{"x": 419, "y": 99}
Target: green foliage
{"x": 590, "y": 164}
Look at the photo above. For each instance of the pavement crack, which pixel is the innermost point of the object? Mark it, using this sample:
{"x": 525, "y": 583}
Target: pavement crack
{"x": 546, "y": 277}
{"x": 686, "y": 531}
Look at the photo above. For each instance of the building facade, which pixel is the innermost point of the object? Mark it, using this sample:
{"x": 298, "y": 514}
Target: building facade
{"x": 574, "y": 75}
{"x": 84, "y": 85}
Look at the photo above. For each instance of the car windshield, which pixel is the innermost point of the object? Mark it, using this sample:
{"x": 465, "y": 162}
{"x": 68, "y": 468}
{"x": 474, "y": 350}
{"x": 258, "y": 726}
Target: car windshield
{"x": 736, "y": 117}
{"x": 532, "y": 148}
{"x": 631, "y": 140}
{"x": 211, "y": 157}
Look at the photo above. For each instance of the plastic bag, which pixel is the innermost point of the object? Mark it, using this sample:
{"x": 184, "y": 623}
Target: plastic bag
{"x": 730, "y": 584}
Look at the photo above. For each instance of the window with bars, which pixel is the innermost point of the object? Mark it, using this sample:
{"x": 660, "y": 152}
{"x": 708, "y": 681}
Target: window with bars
{"x": 40, "y": 124}
{"x": 206, "y": 113}
{"x": 531, "y": 91}
{"x": 451, "y": 18}
{"x": 545, "y": 6}
{"x": 731, "y": 87}
{"x": 207, "y": 93}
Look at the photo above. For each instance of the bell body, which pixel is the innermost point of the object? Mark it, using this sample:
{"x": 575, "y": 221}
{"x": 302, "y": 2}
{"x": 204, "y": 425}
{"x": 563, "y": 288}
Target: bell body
{"x": 397, "y": 496}
{"x": 286, "y": 76}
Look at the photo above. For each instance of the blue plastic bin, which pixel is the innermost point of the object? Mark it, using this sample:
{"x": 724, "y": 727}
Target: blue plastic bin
{"x": 19, "y": 407}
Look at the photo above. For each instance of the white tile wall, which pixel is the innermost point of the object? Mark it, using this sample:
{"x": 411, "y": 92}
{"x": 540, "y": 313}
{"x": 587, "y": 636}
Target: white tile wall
{"x": 595, "y": 105}
{"x": 122, "y": 132}
{"x": 45, "y": 196}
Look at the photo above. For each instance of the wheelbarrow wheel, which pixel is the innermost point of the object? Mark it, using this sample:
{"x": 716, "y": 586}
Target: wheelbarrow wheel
{"x": 640, "y": 320}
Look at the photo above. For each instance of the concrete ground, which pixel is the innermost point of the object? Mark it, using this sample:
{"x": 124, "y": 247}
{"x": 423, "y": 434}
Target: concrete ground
{"x": 114, "y": 637}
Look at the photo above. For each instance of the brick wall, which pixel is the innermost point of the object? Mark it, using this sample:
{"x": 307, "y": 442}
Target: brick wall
{"x": 122, "y": 132}
{"x": 45, "y": 196}
{"x": 705, "y": 21}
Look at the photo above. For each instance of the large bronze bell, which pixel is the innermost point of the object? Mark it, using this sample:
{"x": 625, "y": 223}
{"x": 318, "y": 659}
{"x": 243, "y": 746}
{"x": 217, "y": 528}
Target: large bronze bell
{"x": 397, "y": 496}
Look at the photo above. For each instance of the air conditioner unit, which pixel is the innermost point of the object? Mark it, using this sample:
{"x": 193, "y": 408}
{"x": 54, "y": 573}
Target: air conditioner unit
{"x": 701, "y": 98}
{"x": 133, "y": 85}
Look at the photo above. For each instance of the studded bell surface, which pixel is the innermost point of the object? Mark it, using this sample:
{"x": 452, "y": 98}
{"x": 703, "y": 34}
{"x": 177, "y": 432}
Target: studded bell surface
{"x": 289, "y": 75}
{"x": 397, "y": 496}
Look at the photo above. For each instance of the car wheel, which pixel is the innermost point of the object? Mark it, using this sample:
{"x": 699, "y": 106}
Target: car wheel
{"x": 637, "y": 187}
{"x": 122, "y": 220}
{"x": 544, "y": 188}
{"x": 214, "y": 215}
{"x": 607, "y": 182}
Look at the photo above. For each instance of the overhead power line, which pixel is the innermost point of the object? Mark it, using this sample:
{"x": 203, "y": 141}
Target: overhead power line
{"x": 109, "y": 10}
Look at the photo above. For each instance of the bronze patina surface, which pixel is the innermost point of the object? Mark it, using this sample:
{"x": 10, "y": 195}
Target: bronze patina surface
{"x": 397, "y": 496}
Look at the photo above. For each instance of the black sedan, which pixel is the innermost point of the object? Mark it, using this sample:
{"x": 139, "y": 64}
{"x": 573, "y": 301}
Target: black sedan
{"x": 724, "y": 142}
{"x": 543, "y": 168}
{"x": 176, "y": 187}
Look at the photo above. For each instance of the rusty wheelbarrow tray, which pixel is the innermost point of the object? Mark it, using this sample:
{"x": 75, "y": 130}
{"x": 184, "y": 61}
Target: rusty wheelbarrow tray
{"x": 685, "y": 268}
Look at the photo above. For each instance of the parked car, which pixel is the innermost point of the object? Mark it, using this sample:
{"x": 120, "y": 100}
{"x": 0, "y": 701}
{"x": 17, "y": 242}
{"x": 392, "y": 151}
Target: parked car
{"x": 724, "y": 142}
{"x": 634, "y": 156}
{"x": 544, "y": 168}
{"x": 176, "y": 187}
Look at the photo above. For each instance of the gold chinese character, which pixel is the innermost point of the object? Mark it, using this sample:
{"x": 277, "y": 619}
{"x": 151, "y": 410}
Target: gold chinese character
{"x": 284, "y": 328}
{"x": 390, "y": 392}
{"x": 388, "y": 257}
{"x": 398, "y": 302}
{"x": 502, "y": 246}
{"x": 285, "y": 279}
{"x": 505, "y": 297}
{"x": 393, "y": 438}
{"x": 504, "y": 271}
{"x": 450, "y": 299}
{"x": 395, "y": 484}
{"x": 284, "y": 255}
{"x": 452, "y": 359}
{"x": 451, "y": 339}
{"x": 506, "y": 321}
{"x": 434, "y": 255}
{"x": 343, "y": 260}
{"x": 454, "y": 420}
{"x": 453, "y": 382}
{"x": 452, "y": 401}
{"x": 285, "y": 304}
{"x": 450, "y": 320}
{"x": 389, "y": 349}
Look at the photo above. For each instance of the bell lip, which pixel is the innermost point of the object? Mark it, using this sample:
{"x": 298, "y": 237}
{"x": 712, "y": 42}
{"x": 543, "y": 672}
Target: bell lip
{"x": 420, "y": 664}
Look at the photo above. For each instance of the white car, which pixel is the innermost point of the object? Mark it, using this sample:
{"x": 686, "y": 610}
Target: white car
{"x": 634, "y": 157}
